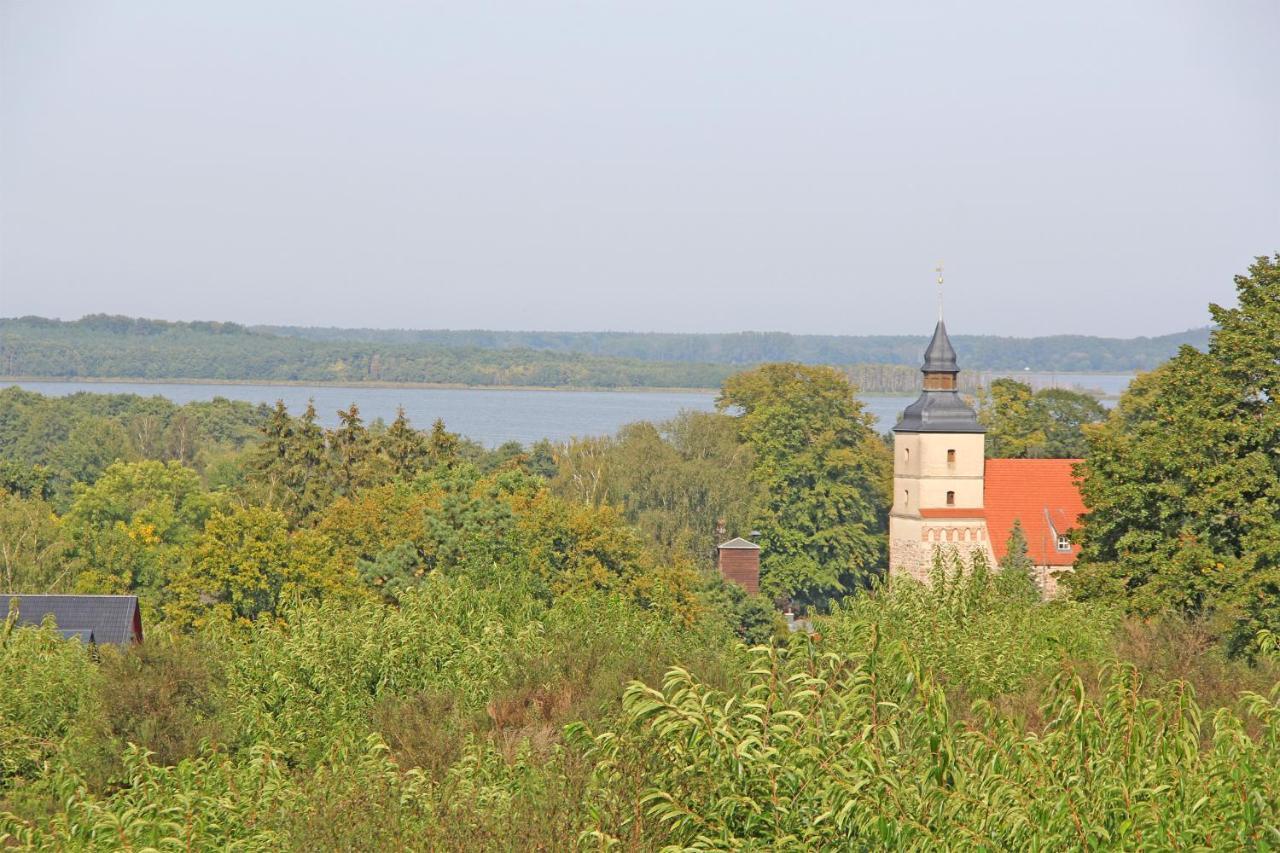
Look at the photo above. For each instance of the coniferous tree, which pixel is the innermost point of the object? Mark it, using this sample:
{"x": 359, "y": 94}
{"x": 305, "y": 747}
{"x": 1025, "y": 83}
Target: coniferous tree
{"x": 1015, "y": 568}
{"x": 442, "y": 446}
{"x": 310, "y": 473}
{"x": 352, "y": 449}
{"x": 405, "y": 449}
{"x": 1015, "y": 555}
{"x": 269, "y": 465}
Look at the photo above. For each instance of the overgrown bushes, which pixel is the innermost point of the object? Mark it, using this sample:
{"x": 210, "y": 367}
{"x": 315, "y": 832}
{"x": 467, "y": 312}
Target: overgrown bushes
{"x": 440, "y": 723}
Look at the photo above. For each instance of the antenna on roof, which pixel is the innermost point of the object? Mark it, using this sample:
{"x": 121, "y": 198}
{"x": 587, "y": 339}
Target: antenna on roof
{"x": 938, "y": 270}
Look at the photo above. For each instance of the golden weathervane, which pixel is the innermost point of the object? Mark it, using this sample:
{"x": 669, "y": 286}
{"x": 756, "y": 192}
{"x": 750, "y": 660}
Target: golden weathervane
{"x": 938, "y": 270}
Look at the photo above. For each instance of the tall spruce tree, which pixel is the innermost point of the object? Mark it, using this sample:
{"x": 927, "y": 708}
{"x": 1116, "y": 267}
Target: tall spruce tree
{"x": 443, "y": 447}
{"x": 1015, "y": 569}
{"x": 404, "y": 447}
{"x": 310, "y": 472}
{"x": 352, "y": 450}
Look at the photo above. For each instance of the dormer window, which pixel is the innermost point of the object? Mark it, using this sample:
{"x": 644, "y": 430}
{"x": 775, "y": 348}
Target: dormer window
{"x": 1064, "y": 543}
{"x": 951, "y": 498}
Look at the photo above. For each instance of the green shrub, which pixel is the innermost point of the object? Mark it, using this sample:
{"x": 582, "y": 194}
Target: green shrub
{"x": 47, "y": 685}
{"x": 827, "y": 751}
{"x": 981, "y": 635}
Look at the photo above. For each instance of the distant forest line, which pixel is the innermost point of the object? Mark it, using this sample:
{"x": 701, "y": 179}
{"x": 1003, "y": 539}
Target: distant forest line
{"x": 101, "y": 346}
{"x": 1064, "y": 353}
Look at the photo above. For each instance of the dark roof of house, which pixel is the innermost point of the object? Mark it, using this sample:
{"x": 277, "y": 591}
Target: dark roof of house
{"x": 741, "y": 543}
{"x": 96, "y": 618}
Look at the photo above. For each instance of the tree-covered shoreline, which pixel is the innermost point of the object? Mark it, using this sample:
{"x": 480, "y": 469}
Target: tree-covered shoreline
{"x": 106, "y": 347}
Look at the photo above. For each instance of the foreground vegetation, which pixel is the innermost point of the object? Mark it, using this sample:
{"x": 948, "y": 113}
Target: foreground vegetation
{"x": 474, "y": 717}
{"x": 375, "y": 637}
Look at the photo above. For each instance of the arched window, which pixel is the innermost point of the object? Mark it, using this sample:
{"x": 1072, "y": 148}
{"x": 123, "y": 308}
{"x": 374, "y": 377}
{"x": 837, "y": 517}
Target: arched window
{"x": 906, "y": 498}
{"x": 951, "y": 498}
{"x": 951, "y": 458}
{"x": 906, "y": 454}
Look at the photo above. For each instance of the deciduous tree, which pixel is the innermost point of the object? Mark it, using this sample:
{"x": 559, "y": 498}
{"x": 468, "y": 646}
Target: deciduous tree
{"x": 1182, "y": 482}
{"x": 32, "y": 548}
{"x": 824, "y": 478}
{"x": 247, "y": 564}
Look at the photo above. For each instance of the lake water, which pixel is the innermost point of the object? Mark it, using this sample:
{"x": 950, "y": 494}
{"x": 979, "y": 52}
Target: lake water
{"x": 1108, "y": 384}
{"x": 484, "y": 415}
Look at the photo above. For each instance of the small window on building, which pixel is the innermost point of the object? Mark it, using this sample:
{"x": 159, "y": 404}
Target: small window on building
{"x": 906, "y": 454}
{"x": 906, "y": 497}
{"x": 1064, "y": 543}
{"x": 951, "y": 457}
{"x": 951, "y": 498}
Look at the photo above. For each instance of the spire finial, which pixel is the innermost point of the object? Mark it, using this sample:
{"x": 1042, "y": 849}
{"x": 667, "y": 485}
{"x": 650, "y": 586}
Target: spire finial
{"x": 938, "y": 270}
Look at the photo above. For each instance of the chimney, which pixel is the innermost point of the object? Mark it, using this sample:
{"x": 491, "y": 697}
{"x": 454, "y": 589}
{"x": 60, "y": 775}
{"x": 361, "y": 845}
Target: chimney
{"x": 739, "y": 562}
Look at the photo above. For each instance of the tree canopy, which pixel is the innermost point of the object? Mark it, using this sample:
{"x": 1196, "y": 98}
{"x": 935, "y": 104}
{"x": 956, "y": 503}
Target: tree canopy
{"x": 1183, "y": 480}
{"x": 824, "y": 479}
{"x": 1026, "y": 424}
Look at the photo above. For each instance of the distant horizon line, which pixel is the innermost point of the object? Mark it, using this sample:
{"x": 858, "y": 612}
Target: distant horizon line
{"x": 255, "y": 326}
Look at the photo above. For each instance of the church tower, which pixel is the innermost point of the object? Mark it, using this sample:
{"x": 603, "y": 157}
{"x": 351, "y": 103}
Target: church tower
{"x": 938, "y": 463}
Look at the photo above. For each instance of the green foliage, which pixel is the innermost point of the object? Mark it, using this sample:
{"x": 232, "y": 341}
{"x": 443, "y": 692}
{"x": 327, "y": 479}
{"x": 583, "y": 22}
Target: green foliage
{"x": 164, "y": 695}
{"x": 380, "y": 638}
{"x": 32, "y": 547}
{"x": 1016, "y": 567}
{"x": 673, "y": 481}
{"x": 982, "y": 635}
{"x": 1183, "y": 480}
{"x": 1068, "y": 412}
{"x": 435, "y": 724}
{"x": 48, "y": 683}
{"x": 1024, "y": 424}
{"x": 247, "y": 564}
{"x": 823, "y": 475}
{"x": 821, "y": 750}
{"x": 983, "y": 352}
{"x": 129, "y": 530}
{"x": 48, "y": 444}
{"x": 753, "y": 618}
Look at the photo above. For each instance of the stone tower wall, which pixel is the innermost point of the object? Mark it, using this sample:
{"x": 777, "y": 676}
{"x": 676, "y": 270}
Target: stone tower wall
{"x": 913, "y": 542}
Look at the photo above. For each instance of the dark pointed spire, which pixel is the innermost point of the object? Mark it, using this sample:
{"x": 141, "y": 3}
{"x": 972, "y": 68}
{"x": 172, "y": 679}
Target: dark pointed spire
{"x": 940, "y": 356}
{"x": 940, "y": 408}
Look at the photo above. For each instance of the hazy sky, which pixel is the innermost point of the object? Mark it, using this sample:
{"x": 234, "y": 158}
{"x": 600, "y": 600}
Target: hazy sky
{"x": 1094, "y": 167}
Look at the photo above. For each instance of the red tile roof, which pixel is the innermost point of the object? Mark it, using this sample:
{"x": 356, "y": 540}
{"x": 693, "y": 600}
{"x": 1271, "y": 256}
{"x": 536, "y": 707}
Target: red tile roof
{"x": 1043, "y": 495}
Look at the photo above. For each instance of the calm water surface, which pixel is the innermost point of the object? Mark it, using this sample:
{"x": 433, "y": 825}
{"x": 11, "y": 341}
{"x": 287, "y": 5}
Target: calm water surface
{"x": 487, "y": 416}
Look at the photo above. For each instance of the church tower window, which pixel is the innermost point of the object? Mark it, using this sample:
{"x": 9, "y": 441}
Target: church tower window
{"x": 951, "y": 498}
